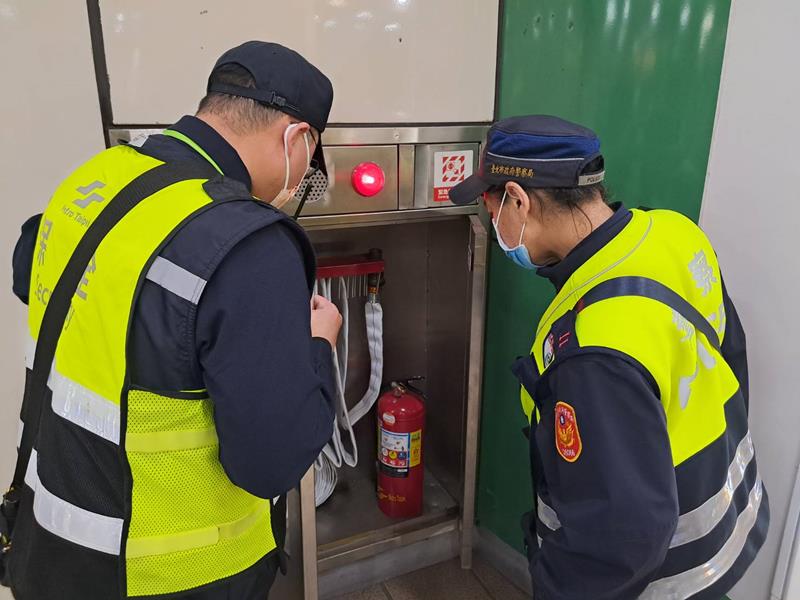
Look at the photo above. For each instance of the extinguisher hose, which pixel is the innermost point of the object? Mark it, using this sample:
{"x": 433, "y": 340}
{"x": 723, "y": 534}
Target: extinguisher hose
{"x": 335, "y": 454}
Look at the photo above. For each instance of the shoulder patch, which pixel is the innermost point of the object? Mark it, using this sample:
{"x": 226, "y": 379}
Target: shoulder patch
{"x": 560, "y": 340}
{"x": 568, "y": 437}
{"x": 548, "y": 350}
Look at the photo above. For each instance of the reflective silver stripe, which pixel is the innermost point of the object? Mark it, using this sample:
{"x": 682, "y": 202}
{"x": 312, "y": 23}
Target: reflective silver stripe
{"x": 686, "y": 584}
{"x": 31, "y": 474}
{"x": 71, "y": 522}
{"x": 77, "y": 403}
{"x": 700, "y": 521}
{"x": 176, "y": 279}
{"x": 84, "y": 407}
{"x": 30, "y": 351}
{"x": 547, "y": 515}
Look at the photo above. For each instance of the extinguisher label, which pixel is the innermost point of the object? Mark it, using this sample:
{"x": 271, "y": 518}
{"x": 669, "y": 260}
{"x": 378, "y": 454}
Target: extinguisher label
{"x": 399, "y": 451}
{"x": 416, "y": 447}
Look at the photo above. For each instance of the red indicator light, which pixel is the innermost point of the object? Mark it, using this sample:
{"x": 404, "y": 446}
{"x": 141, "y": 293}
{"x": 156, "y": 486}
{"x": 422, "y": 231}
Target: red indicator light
{"x": 368, "y": 179}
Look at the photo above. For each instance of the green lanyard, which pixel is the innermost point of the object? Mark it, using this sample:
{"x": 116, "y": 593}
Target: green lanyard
{"x": 192, "y": 144}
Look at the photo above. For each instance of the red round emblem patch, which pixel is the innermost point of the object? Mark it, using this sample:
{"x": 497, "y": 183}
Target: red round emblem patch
{"x": 568, "y": 437}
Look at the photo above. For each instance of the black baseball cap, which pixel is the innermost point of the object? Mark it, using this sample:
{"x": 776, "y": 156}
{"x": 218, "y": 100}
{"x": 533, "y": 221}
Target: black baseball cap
{"x": 536, "y": 151}
{"x": 284, "y": 81}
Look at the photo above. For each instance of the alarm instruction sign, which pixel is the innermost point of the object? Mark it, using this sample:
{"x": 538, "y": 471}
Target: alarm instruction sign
{"x": 450, "y": 169}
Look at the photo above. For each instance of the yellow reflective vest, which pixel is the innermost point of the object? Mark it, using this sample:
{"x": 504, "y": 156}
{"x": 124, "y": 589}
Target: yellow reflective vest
{"x": 125, "y": 490}
{"x": 654, "y": 295}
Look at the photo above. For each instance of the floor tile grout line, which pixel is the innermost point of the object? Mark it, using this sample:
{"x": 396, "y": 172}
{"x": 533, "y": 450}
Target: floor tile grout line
{"x": 386, "y": 591}
{"x": 483, "y": 585}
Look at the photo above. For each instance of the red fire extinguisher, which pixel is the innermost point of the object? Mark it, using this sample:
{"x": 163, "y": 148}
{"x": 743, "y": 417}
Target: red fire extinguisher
{"x": 401, "y": 420}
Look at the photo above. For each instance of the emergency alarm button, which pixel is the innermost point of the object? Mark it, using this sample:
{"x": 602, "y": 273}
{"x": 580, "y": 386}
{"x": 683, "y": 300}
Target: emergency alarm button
{"x": 368, "y": 179}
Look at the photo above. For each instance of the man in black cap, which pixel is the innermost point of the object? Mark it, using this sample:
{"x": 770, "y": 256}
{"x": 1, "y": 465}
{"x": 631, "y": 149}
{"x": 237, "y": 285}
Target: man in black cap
{"x": 645, "y": 479}
{"x": 191, "y": 383}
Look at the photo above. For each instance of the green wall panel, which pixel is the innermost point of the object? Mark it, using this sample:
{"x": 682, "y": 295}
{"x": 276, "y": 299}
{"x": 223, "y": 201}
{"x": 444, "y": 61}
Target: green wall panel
{"x": 645, "y": 75}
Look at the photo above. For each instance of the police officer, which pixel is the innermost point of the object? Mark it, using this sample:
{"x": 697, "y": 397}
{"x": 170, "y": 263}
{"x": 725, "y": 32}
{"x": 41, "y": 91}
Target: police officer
{"x": 643, "y": 467}
{"x": 192, "y": 378}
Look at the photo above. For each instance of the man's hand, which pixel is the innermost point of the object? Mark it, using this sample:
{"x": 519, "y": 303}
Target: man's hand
{"x": 325, "y": 320}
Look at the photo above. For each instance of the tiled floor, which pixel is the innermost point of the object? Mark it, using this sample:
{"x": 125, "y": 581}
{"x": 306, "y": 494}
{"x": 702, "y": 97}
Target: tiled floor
{"x": 443, "y": 581}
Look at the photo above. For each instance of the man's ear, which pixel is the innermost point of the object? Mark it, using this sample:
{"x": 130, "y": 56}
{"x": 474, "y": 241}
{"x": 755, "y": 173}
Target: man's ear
{"x": 296, "y": 133}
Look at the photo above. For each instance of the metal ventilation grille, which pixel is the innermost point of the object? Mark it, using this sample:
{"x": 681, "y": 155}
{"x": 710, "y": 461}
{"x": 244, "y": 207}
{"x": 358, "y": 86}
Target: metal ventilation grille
{"x": 319, "y": 185}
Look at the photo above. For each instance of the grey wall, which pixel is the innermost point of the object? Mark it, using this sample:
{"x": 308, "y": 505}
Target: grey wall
{"x": 751, "y": 210}
{"x": 50, "y": 124}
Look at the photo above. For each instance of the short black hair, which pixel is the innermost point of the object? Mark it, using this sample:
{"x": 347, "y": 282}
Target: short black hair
{"x": 243, "y": 115}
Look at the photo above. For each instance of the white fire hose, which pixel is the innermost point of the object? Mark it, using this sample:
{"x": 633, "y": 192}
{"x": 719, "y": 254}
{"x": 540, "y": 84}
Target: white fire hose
{"x": 334, "y": 455}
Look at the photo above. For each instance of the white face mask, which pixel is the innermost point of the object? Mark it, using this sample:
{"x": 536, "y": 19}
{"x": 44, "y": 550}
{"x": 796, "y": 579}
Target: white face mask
{"x": 286, "y": 194}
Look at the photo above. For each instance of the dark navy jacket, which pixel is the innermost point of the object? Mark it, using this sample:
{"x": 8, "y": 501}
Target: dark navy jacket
{"x": 271, "y": 382}
{"x": 626, "y": 460}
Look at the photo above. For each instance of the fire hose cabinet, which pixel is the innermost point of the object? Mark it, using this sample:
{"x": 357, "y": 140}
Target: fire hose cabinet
{"x": 432, "y": 299}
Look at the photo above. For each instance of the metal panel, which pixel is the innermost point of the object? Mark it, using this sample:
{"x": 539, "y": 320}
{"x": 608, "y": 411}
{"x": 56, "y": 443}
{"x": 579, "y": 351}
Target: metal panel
{"x": 384, "y": 218}
{"x": 448, "y": 293}
{"x": 440, "y": 545}
{"x": 426, "y": 167}
{"x": 400, "y": 61}
{"x": 405, "y": 175}
{"x": 434, "y": 134}
{"x": 345, "y": 147}
{"x": 645, "y": 76}
{"x": 341, "y": 198}
{"x": 362, "y": 136}
{"x": 352, "y": 527}
{"x": 308, "y": 530}
{"x": 478, "y": 250}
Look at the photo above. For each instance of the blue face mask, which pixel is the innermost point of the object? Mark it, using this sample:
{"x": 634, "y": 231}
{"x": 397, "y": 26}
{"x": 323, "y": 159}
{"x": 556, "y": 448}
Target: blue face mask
{"x": 519, "y": 255}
